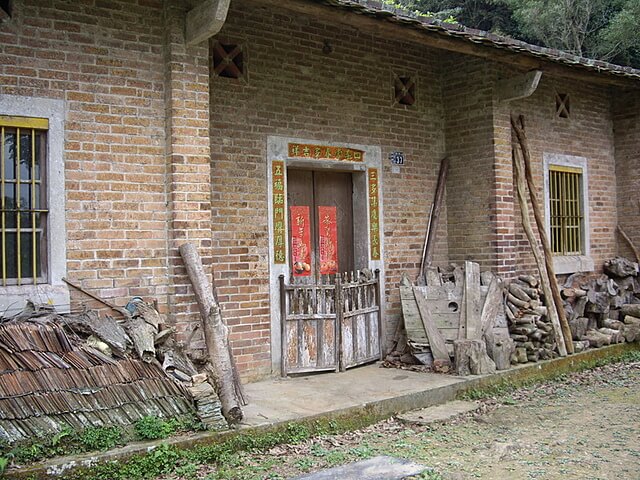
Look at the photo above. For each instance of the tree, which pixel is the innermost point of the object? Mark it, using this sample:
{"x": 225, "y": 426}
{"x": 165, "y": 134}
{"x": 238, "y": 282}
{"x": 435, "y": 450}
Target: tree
{"x": 602, "y": 29}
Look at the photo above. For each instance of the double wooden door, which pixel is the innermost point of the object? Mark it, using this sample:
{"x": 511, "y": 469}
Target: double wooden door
{"x": 329, "y": 321}
{"x": 314, "y": 189}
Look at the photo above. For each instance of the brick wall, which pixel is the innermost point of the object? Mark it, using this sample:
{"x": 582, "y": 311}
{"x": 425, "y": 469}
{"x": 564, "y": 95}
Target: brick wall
{"x": 587, "y": 133}
{"x": 105, "y": 60}
{"x": 131, "y": 176}
{"x": 296, "y": 90}
{"x": 627, "y": 148}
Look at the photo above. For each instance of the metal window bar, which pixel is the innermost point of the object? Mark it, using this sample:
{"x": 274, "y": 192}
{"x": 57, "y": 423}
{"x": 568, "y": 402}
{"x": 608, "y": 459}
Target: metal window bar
{"x": 33, "y": 211}
{"x": 566, "y": 210}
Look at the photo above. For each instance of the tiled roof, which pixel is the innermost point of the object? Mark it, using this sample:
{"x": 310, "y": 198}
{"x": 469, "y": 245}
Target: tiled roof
{"x": 384, "y": 11}
{"x": 47, "y": 383}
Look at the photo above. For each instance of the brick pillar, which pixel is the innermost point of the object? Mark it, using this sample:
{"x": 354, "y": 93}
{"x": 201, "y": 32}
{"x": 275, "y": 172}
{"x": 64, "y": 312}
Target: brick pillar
{"x": 188, "y": 162}
{"x": 626, "y": 129}
{"x": 503, "y": 211}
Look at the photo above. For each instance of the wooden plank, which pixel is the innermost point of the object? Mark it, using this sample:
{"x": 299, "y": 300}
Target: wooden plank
{"x": 438, "y": 348}
{"x": 435, "y": 212}
{"x": 492, "y": 305}
{"x": 411, "y": 315}
{"x": 473, "y": 308}
{"x": 433, "y": 277}
{"x": 205, "y": 20}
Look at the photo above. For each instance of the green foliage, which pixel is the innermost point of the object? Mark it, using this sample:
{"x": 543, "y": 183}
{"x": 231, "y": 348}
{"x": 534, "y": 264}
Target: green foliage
{"x": 4, "y": 461}
{"x": 602, "y": 29}
{"x": 101, "y": 438}
{"x": 154, "y": 428}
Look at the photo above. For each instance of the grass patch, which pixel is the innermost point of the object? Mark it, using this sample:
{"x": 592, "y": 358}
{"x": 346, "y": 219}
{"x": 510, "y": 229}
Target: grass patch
{"x": 91, "y": 439}
{"x": 506, "y": 385}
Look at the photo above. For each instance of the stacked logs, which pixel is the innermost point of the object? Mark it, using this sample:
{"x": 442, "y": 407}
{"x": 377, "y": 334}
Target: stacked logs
{"x": 606, "y": 309}
{"x": 529, "y": 326}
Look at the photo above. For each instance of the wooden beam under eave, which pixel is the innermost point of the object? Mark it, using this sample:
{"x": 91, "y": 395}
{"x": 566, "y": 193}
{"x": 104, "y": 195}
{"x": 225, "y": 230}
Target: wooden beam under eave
{"x": 205, "y": 20}
{"x": 414, "y": 34}
{"x": 520, "y": 86}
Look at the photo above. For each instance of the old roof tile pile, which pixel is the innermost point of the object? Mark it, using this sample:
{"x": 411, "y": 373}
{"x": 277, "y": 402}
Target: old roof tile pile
{"x": 47, "y": 383}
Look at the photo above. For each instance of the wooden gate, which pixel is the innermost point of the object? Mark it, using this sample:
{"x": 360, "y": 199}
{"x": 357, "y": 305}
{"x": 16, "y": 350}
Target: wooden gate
{"x": 334, "y": 324}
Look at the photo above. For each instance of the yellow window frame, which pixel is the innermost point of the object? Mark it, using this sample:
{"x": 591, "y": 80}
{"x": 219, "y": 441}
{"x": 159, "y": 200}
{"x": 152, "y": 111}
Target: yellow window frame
{"x": 32, "y": 125}
{"x": 566, "y": 210}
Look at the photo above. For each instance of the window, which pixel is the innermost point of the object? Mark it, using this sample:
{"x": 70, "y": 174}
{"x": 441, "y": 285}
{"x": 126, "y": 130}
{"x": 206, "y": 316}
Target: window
{"x": 404, "y": 90}
{"x": 228, "y": 60}
{"x": 563, "y": 105}
{"x": 566, "y": 180}
{"x": 33, "y": 240}
{"x": 23, "y": 213}
{"x": 565, "y": 205}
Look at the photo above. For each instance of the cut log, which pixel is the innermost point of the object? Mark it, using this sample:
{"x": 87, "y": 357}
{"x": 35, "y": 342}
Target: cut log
{"x": 530, "y": 279}
{"x": 164, "y": 335}
{"x": 616, "y": 335}
{"x": 631, "y": 309}
{"x": 631, "y": 320}
{"x": 614, "y": 324}
{"x": 579, "y": 307}
{"x": 573, "y": 292}
{"x": 578, "y": 327}
{"x": 631, "y": 332}
{"x": 596, "y": 339}
{"x": 519, "y": 293}
{"x": 471, "y": 358}
{"x": 620, "y": 267}
{"x": 521, "y": 355}
{"x": 517, "y": 302}
{"x": 219, "y": 368}
{"x": 149, "y": 314}
{"x": 143, "y": 336}
{"x": 106, "y": 329}
{"x": 500, "y": 350}
{"x": 552, "y": 285}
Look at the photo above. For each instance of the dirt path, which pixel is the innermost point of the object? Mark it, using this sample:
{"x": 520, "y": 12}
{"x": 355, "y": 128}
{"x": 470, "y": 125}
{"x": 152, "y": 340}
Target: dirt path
{"x": 586, "y": 426}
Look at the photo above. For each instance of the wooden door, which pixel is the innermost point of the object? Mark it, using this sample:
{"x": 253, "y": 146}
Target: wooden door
{"x": 324, "y": 189}
{"x": 329, "y": 321}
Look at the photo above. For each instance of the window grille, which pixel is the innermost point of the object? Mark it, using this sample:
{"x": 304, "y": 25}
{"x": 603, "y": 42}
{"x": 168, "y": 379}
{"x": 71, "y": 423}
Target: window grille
{"x": 566, "y": 218}
{"x": 23, "y": 210}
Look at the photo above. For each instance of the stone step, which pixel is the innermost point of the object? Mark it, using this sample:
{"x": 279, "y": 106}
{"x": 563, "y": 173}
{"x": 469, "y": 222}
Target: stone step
{"x": 376, "y": 468}
{"x": 438, "y": 413}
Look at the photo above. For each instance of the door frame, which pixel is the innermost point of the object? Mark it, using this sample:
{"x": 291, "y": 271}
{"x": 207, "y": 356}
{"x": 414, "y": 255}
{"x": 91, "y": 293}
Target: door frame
{"x": 278, "y": 151}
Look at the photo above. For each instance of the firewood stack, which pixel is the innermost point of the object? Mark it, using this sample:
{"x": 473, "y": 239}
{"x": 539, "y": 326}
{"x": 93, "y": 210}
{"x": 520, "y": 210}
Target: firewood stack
{"x": 529, "y": 326}
{"x": 606, "y": 309}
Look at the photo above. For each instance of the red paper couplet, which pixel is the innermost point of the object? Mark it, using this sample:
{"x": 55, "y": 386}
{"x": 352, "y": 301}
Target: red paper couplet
{"x": 328, "y": 229}
{"x": 300, "y": 241}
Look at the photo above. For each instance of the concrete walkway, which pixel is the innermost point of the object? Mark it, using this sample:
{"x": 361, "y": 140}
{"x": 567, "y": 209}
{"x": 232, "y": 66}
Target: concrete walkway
{"x": 285, "y": 399}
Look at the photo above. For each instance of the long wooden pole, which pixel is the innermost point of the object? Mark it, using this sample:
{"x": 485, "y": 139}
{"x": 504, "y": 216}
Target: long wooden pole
{"x": 628, "y": 240}
{"x": 435, "y": 212}
{"x": 544, "y": 279}
{"x": 542, "y": 231}
{"x": 219, "y": 366}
